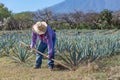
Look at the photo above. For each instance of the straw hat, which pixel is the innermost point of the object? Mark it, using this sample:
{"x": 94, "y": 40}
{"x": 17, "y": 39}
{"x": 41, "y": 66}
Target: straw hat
{"x": 40, "y": 27}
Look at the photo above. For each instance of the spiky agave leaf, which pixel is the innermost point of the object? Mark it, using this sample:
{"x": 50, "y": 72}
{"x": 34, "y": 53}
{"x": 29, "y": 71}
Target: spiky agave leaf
{"x": 21, "y": 54}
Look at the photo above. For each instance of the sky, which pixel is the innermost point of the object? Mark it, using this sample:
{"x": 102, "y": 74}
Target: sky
{"x": 17, "y": 6}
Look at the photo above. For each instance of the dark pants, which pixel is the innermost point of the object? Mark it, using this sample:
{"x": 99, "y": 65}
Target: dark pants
{"x": 42, "y": 46}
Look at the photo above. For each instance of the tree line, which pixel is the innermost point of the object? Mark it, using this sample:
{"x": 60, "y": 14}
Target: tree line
{"x": 105, "y": 19}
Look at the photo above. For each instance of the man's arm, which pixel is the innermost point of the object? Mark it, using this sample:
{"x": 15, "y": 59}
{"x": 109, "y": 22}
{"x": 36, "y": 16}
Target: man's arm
{"x": 33, "y": 39}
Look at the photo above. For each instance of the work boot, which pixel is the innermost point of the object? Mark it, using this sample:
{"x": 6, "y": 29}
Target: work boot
{"x": 36, "y": 67}
{"x": 50, "y": 68}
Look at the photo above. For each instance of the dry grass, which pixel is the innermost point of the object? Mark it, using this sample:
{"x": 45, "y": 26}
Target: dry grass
{"x": 107, "y": 69}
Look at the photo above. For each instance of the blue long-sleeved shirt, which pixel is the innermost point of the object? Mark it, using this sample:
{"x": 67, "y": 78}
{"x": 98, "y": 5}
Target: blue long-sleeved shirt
{"x": 47, "y": 38}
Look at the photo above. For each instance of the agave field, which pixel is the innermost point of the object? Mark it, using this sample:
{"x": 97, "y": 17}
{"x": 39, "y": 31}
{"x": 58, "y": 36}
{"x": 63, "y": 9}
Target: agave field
{"x": 73, "y": 47}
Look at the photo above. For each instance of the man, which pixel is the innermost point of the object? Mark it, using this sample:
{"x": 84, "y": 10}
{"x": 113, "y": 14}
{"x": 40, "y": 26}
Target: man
{"x": 47, "y": 38}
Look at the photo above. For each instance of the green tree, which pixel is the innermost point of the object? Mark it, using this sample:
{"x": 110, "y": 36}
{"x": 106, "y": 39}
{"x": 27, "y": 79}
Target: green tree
{"x": 4, "y": 12}
{"x": 105, "y": 18}
{"x": 23, "y": 20}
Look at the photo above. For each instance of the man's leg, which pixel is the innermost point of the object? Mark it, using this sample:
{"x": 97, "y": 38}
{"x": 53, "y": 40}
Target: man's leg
{"x": 51, "y": 62}
{"x": 42, "y": 46}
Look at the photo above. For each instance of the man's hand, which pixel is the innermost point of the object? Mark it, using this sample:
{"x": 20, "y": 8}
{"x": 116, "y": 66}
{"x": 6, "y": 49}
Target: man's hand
{"x": 29, "y": 47}
{"x": 49, "y": 57}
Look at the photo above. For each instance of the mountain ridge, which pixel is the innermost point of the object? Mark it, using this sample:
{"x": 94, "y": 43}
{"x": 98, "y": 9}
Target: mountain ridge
{"x": 85, "y": 6}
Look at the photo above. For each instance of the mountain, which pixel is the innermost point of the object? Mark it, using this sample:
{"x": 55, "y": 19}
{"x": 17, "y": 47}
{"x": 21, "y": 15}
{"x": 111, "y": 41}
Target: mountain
{"x": 85, "y": 5}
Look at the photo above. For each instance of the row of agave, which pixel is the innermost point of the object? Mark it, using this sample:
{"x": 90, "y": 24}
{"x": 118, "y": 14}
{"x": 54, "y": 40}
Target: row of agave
{"x": 72, "y": 48}
{"x": 89, "y": 47}
{"x": 10, "y": 46}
